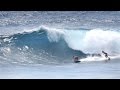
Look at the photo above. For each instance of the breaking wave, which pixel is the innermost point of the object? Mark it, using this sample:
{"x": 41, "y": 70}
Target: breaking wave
{"x": 50, "y": 45}
{"x": 42, "y": 46}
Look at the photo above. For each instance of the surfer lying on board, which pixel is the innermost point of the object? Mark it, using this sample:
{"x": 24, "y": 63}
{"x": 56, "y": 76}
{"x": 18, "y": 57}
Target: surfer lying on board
{"x": 106, "y": 55}
{"x": 76, "y": 59}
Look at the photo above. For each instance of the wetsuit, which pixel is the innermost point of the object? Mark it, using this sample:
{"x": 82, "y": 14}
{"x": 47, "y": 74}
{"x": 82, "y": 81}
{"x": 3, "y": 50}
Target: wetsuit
{"x": 76, "y": 60}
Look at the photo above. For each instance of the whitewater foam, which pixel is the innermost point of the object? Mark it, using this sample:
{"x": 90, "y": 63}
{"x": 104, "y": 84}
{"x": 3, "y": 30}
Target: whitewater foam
{"x": 97, "y": 40}
{"x": 94, "y": 41}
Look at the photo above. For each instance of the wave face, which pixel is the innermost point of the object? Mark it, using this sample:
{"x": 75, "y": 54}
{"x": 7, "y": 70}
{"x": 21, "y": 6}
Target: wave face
{"x": 43, "y": 46}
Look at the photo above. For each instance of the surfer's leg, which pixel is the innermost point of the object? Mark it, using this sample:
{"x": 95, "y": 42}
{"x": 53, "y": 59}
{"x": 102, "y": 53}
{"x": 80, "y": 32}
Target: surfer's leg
{"x": 108, "y": 58}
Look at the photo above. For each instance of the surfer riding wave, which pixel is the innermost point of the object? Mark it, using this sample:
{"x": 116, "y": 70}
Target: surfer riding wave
{"x": 77, "y": 59}
{"x": 106, "y": 55}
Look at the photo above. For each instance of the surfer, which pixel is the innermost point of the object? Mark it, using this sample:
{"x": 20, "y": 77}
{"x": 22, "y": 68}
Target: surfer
{"x": 76, "y": 59}
{"x": 106, "y": 55}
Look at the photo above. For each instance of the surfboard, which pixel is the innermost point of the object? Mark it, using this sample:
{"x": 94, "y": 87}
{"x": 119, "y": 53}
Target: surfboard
{"x": 77, "y": 61}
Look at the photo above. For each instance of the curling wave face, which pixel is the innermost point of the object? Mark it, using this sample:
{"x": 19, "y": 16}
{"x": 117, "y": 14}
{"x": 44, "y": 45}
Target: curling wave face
{"x": 43, "y": 46}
